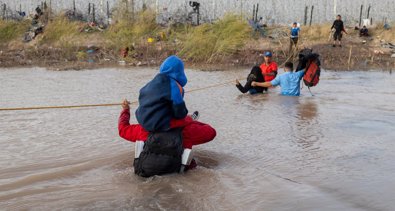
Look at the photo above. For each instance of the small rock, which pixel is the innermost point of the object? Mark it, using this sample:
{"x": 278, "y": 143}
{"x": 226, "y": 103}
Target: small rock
{"x": 393, "y": 55}
{"x": 141, "y": 64}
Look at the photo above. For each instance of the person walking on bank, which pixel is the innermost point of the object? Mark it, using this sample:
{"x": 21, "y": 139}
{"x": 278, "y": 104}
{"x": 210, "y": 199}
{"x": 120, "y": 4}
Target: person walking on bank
{"x": 338, "y": 28}
{"x": 294, "y": 36}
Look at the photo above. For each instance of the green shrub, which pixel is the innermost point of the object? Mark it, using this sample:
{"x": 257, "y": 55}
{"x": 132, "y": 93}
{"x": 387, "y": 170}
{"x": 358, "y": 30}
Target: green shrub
{"x": 10, "y": 30}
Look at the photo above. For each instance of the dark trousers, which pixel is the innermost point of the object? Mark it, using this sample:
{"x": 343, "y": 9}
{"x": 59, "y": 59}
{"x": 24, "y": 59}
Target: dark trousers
{"x": 293, "y": 42}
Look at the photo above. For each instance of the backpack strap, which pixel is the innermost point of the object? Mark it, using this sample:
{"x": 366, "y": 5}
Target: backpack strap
{"x": 180, "y": 87}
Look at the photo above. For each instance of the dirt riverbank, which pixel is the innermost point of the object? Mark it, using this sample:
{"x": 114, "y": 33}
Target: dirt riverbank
{"x": 352, "y": 55}
{"x": 65, "y": 45}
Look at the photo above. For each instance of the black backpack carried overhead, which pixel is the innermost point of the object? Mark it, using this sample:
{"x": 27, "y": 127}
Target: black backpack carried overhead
{"x": 311, "y": 63}
{"x": 162, "y": 154}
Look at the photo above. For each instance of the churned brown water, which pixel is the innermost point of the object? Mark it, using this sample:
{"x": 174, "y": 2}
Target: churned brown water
{"x": 333, "y": 151}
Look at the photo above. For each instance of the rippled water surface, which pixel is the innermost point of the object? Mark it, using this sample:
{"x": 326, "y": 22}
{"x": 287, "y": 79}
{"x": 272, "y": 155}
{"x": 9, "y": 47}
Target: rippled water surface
{"x": 333, "y": 151}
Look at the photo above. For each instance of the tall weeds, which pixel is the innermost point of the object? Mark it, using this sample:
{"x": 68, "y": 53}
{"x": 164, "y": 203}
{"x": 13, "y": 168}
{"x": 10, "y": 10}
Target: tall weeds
{"x": 127, "y": 31}
{"x": 211, "y": 42}
{"x": 60, "y": 31}
{"x": 10, "y": 30}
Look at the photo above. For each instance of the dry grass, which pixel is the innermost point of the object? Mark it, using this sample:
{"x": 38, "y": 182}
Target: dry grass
{"x": 211, "y": 42}
{"x": 60, "y": 31}
{"x": 125, "y": 32}
{"x": 382, "y": 34}
{"x": 316, "y": 32}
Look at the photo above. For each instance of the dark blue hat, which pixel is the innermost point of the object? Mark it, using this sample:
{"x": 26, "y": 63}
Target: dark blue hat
{"x": 268, "y": 54}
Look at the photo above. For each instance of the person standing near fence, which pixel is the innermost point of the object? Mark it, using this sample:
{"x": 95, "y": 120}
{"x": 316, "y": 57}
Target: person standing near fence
{"x": 338, "y": 28}
{"x": 295, "y": 30}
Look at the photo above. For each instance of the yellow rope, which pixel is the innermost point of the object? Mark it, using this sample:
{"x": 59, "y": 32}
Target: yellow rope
{"x": 99, "y": 105}
{"x": 58, "y": 107}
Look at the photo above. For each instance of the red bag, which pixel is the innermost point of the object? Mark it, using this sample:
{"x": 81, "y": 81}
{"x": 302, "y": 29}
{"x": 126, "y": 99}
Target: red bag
{"x": 312, "y": 74}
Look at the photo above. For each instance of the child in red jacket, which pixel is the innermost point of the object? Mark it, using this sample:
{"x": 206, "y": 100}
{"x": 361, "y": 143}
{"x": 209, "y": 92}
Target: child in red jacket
{"x": 194, "y": 132}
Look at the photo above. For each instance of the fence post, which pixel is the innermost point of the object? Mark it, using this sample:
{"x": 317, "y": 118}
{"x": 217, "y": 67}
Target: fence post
{"x": 311, "y": 14}
{"x": 93, "y": 12}
{"x": 4, "y": 11}
{"x": 360, "y": 16}
{"x": 108, "y": 13}
{"x": 89, "y": 9}
{"x": 256, "y": 12}
{"x": 305, "y": 15}
{"x": 253, "y": 13}
{"x": 214, "y": 11}
{"x": 132, "y": 5}
{"x": 74, "y": 8}
{"x": 368, "y": 12}
{"x": 50, "y": 9}
{"x": 198, "y": 16}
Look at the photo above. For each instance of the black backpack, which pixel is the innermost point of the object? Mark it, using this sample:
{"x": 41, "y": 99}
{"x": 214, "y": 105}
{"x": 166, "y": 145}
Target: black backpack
{"x": 161, "y": 154}
{"x": 305, "y": 56}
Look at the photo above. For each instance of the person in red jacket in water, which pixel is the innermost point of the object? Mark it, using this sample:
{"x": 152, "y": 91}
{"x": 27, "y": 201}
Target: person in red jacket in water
{"x": 163, "y": 123}
{"x": 269, "y": 67}
{"x": 162, "y": 108}
{"x": 194, "y": 132}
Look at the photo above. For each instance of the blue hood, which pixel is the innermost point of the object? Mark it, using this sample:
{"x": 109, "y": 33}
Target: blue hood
{"x": 174, "y": 68}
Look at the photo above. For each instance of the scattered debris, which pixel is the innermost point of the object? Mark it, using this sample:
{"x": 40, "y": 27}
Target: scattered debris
{"x": 387, "y": 45}
{"x": 278, "y": 34}
{"x": 387, "y": 26}
{"x": 378, "y": 52}
{"x": 92, "y": 27}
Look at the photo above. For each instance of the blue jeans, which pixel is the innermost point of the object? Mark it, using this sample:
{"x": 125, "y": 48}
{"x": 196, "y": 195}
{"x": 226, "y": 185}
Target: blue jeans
{"x": 252, "y": 91}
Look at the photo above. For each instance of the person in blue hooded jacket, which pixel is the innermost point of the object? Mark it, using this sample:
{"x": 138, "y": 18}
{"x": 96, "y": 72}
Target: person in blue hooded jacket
{"x": 164, "y": 123}
{"x": 161, "y": 100}
{"x": 162, "y": 107}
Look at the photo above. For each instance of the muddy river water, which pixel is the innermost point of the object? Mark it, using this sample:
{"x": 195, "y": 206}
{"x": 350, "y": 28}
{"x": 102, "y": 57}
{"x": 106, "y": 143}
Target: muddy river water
{"x": 331, "y": 151}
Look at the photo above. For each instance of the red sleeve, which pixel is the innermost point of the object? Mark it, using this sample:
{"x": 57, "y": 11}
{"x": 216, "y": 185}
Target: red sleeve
{"x": 130, "y": 132}
{"x": 175, "y": 123}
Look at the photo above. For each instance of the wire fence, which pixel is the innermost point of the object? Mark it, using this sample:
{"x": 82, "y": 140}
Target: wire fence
{"x": 271, "y": 11}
